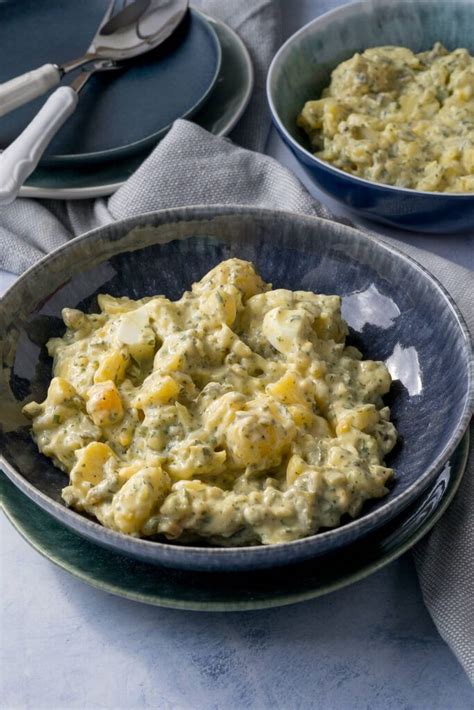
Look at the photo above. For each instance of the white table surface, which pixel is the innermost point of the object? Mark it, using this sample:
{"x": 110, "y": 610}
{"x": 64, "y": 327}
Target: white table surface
{"x": 65, "y": 645}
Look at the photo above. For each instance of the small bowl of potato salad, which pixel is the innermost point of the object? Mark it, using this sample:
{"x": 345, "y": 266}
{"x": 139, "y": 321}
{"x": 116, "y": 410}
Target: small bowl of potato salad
{"x": 376, "y": 100}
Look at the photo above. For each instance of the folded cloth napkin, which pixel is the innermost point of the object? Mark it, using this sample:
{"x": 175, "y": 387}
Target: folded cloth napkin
{"x": 191, "y": 167}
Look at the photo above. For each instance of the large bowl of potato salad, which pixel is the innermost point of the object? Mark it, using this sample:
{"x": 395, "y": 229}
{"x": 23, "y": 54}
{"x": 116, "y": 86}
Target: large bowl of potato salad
{"x": 186, "y": 389}
{"x": 376, "y": 100}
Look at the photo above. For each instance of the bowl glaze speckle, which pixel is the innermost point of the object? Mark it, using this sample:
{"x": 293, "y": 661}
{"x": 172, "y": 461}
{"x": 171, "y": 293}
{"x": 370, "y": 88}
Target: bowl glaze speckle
{"x": 301, "y": 70}
{"x": 397, "y": 313}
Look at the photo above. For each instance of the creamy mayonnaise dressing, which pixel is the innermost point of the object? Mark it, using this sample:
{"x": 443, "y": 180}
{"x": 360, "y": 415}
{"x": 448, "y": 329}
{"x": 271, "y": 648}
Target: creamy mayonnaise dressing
{"x": 235, "y": 414}
{"x": 399, "y": 118}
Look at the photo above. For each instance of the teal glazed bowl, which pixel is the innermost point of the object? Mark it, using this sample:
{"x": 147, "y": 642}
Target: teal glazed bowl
{"x": 396, "y": 311}
{"x": 301, "y": 70}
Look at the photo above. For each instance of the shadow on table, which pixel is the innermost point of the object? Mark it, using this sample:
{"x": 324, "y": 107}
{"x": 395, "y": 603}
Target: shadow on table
{"x": 372, "y": 640}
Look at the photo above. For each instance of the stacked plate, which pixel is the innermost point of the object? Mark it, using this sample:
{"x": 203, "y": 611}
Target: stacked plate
{"x": 160, "y": 586}
{"x": 122, "y": 115}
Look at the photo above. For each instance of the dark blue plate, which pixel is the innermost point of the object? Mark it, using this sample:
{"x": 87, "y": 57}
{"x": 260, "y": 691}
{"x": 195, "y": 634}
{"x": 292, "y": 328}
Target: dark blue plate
{"x": 397, "y": 312}
{"x": 118, "y": 112}
{"x": 220, "y": 113}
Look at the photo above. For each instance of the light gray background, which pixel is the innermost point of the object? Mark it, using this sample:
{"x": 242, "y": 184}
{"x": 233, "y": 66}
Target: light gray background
{"x": 372, "y": 645}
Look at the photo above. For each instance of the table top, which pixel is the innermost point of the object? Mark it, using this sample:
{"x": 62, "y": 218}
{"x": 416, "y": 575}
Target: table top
{"x": 372, "y": 645}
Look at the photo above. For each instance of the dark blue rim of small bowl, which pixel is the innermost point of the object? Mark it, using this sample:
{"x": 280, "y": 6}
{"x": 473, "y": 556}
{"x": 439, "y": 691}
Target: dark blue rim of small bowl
{"x": 121, "y": 151}
{"x": 359, "y": 527}
{"x": 338, "y": 12}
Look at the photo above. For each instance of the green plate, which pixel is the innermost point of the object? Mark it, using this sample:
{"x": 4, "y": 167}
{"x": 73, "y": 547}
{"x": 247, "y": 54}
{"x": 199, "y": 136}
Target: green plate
{"x": 230, "y": 591}
{"x": 220, "y": 113}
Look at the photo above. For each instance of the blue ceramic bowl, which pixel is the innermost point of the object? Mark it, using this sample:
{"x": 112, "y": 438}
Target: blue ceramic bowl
{"x": 301, "y": 70}
{"x": 397, "y": 312}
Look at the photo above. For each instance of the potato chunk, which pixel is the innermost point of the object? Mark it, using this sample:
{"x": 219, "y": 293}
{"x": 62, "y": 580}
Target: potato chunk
{"x": 288, "y": 389}
{"x": 260, "y": 434}
{"x": 286, "y": 328}
{"x": 59, "y": 391}
{"x": 137, "y": 498}
{"x": 157, "y": 389}
{"x": 104, "y": 404}
{"x": 112, "y": 367}
{"x": 364, "y": 418}
{"x": 89, "y": 468}
{"x": 233, "y": 272}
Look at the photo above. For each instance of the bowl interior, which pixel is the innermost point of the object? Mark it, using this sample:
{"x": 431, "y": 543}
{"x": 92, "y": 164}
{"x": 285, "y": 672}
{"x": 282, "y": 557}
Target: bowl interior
{"x": 396, "y": 313}
{"x": 303, "y": 66}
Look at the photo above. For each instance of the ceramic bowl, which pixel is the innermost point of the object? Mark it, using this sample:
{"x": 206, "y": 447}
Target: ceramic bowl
{"x": 302, "y": 68}
{"x": 397, "y": 313}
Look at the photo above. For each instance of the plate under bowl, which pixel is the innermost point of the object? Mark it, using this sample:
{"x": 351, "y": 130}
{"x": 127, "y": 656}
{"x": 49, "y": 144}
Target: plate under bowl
{"x": 216, "y": 591}
{"x": 397, "y": 312}
{"x": 302, "y": 67}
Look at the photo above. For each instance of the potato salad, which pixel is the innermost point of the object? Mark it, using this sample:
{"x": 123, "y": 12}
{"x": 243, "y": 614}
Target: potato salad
{"x": 395, "y": 117}
{"x": 235, "y": 415}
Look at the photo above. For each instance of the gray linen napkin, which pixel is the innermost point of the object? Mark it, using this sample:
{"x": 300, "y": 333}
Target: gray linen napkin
{"x": 191, "y": 167}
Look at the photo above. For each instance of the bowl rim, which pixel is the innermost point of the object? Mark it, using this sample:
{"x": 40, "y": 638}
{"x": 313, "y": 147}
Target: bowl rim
{"x": 176, "y": 554}
{"x": 347, "y": 9}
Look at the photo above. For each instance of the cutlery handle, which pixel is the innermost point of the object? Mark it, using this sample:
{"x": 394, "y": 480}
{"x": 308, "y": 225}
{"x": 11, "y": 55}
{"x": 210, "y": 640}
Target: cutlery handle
{"x": 26, "y": 87}
{"x": 19, "y": 160}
